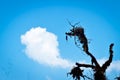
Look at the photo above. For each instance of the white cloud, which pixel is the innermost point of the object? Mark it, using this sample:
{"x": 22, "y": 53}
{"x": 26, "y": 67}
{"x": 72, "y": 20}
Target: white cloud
{"x": 42, "y": 46}
{"x": 115, "y": 65}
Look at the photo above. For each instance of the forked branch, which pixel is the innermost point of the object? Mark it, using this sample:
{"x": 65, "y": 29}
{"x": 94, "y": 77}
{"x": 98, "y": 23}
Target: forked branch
{"x": 107, "y": 63}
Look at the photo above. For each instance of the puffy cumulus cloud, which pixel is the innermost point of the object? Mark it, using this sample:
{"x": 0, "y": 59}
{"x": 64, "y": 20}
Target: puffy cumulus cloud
{"x": 42, "y": 46}
{"x": 114, "y": 66}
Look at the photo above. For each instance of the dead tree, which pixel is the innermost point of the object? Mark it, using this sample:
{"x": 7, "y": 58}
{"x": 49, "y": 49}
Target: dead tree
{"x": 99, "y": 71}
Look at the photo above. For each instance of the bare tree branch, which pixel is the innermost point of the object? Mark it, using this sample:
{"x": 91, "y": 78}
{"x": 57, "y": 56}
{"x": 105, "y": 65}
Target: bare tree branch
{"x": 85, "y": 65}
{"x": 84, "y": 41}
{"x": 107, "y": 63}
{"x": 79, "y": 32}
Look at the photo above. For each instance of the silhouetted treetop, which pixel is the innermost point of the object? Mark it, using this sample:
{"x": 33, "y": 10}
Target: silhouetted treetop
{"x": 99, "y": 71}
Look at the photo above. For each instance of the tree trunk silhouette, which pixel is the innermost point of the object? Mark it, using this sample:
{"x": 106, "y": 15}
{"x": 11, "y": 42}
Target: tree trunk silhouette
{"x": 99, "y": 71}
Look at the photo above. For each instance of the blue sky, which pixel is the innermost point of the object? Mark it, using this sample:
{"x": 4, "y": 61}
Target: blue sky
{"x": 100, "y": 19}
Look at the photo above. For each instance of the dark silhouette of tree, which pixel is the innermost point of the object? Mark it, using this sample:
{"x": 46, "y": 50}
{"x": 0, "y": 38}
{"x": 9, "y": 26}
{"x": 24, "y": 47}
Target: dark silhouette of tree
{"x": 99, "y": 71}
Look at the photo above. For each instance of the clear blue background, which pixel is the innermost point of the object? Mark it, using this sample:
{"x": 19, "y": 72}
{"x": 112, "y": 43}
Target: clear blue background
{"x": 100, "y": 18}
